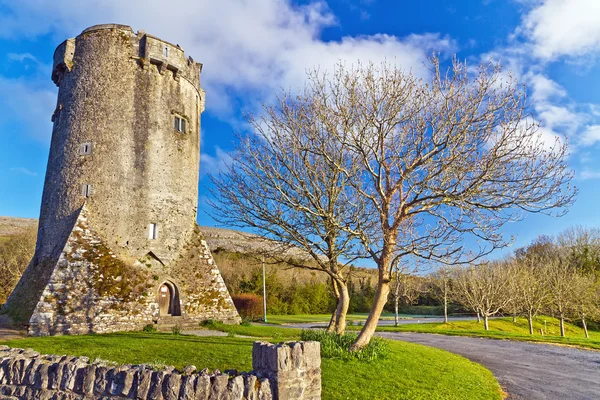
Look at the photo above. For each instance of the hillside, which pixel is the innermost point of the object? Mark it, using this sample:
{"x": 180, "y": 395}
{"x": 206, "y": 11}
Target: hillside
{"x": 218, "y": 239}
{"x": 231, "y": 248}
{"x": 10, "y": 226}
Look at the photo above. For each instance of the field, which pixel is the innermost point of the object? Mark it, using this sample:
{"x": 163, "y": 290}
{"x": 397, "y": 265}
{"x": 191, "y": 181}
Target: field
{"x": 409, "y": 372}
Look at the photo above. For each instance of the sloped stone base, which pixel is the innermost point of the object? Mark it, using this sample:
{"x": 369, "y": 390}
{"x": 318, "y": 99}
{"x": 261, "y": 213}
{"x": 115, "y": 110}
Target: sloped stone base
{"x": 90, "y": 289}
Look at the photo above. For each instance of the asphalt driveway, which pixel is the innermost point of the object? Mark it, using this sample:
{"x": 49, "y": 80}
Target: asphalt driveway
{"x": 526, "y": 371}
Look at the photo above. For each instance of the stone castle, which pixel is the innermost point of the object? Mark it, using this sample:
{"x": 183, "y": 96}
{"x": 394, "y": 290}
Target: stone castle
{"x": 118, "y": 246}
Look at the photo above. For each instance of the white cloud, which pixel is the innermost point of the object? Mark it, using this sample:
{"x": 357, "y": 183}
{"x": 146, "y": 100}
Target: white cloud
{"x": 544, "y": 88}
{"x": 587, "y": 174}
{"x": 212, "y": 164}
{"x": 20, "y": 57}
{"x": 26, "y": 105}
{"x": 249, "y": 49}
{"x": 590, "y": 136}
{"x": 24, "y": 171}
{"x": 556, "y": 28}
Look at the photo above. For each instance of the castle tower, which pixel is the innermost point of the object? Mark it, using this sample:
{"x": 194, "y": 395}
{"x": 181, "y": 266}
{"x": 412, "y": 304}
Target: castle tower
{"x": 118, "y": 246}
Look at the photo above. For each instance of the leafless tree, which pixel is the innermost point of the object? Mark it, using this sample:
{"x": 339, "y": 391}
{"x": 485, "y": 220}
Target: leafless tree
{"x": 482, "y": 288}
{"x": 532, "y": 286}
{"x": 586, "y": 298}
{"x": 456, "y": 156}
{"x": 406, "y": 288}
{"x": 441, "y": 280}
{"x": 280, "y": 184}
{"x": 563, "y": 298}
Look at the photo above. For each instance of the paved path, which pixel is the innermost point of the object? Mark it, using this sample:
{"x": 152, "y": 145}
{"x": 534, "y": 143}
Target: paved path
{"x": 526, "y": 371}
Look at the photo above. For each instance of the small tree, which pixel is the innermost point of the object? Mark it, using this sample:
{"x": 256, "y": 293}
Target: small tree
{"x": 482, "y": 289}
{"x": 441, "y": 280}
{"x": 406, "y": 288}
{"x": 562, "y": 278}
{"x": 531, "y": 283}
{"x": 587, "y": 299}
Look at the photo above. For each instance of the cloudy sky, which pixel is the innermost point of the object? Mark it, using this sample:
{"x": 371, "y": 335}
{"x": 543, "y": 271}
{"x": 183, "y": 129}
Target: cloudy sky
{"x": 250, "y": 49}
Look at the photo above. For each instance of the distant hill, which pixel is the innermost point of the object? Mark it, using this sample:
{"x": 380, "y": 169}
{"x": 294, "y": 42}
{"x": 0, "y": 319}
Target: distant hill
{"x": 231, "y": 249}
{"x": 10, "y": 226}
{"x": 218, "y": 239}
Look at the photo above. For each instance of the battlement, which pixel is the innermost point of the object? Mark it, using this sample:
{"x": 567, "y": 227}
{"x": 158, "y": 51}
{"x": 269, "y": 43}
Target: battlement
{"x": 146, "y": 48}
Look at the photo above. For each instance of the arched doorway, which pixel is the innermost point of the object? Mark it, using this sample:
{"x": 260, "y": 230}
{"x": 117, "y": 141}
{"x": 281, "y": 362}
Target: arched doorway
{"x": 168, "y": 300}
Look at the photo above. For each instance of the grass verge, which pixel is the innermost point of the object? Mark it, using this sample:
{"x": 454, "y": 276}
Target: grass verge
{"x": 409, "y": 372}
{"x": 505, "y": 328}
{"x": 253, "y": 330}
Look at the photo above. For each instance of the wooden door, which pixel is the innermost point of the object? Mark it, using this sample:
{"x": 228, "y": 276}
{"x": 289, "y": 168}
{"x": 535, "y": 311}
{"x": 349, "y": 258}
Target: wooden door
{"x": 164, "y": 300}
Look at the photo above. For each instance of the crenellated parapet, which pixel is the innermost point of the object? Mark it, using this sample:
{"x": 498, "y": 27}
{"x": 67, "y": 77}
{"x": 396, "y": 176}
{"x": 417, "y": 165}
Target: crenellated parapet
{"x": 63, "y": 60}
{"x": 146, "y": 49}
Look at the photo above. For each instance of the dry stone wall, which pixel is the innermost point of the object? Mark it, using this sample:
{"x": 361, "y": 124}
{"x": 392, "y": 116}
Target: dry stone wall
{"x": 25, "y": 375}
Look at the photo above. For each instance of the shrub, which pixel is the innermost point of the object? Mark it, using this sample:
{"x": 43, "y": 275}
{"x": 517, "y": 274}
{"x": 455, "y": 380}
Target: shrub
{"x": 176, "y": 330}
{"x": 245, "y": 322}
{"x": 249, "y": 305}
{"x": 207, "y": 323}
{"x": 149, "y": 328}
{"x": 338, "y": 346}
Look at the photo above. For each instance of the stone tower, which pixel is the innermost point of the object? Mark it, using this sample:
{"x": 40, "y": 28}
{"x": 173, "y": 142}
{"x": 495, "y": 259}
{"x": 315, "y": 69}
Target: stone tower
{"x": 118, "y": 246}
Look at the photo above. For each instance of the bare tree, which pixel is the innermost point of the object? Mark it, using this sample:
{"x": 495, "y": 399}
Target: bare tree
{"x": 441, "y": 280}
{"x": 587, "y": 299}
{"x": 280, "y": 184}
{"x": 531, "y": 283}
{"x": 406, "y": 289}
{"x": 440, "y": 160}
{"x": 561, "y": 282}
{"x": 482, "y": 289}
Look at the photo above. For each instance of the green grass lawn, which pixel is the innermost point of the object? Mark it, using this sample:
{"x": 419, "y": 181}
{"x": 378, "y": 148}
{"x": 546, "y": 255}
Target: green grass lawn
{"x": 256, "y": 330}
{"x": 504, "y": 328}
{"x": 410, "y": 372}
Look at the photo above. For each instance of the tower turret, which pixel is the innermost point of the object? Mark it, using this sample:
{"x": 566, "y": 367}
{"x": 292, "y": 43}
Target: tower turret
{"x": 118, "y": 217}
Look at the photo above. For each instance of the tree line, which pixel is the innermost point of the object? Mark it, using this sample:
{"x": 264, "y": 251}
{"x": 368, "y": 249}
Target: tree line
{"x": 557, "y": 276}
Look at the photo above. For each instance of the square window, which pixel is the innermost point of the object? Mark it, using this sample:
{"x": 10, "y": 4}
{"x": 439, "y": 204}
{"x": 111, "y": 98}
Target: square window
{"x": 85, "y": 148}
{"x": 153, "y": 231}
{"x": 86, "y": 190}
{"x": 179, "y": 124}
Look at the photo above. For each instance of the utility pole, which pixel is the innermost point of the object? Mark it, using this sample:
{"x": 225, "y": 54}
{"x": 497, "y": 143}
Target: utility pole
{"x": 264, "y": 290}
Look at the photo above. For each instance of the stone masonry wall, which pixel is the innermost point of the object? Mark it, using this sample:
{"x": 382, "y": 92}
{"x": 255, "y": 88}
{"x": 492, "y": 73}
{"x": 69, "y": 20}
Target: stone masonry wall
{"x": 91, "y": 289}
{"x": 25, "y": 375}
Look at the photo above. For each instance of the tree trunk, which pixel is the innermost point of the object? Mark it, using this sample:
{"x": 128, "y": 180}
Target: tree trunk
{"x": 478, "y": 317}
{"x": 530, "y": 322}
{"x": 342, "y": 309}
{"x": 365, "y": 335}
{"x": 445, "y": 305}
{"x": 333, "y": 321}
{"x": 587, "y": 335}
{"x": 514, "y": 318}
{"x": 396, "y": 301}
{"x": 562, "y": 326}
{"x": 486, "y": 322}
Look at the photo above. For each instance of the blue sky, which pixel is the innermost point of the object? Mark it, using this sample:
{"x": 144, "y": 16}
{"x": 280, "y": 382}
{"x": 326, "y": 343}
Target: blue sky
{"x": 250, "y": 49}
